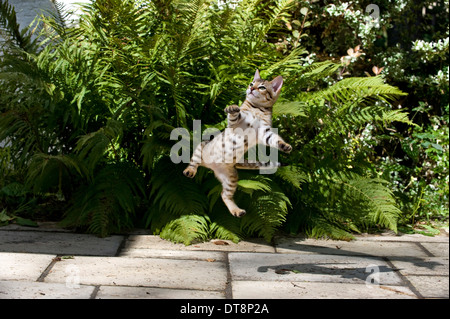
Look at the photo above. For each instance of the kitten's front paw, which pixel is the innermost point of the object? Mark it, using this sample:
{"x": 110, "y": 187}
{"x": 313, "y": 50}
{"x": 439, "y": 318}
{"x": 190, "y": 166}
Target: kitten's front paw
{"x": 285, "y": 147}
{"x": 232, "y": 109}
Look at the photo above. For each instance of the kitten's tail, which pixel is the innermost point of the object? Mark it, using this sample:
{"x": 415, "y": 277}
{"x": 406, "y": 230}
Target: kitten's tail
{"x": 257, "y": 165}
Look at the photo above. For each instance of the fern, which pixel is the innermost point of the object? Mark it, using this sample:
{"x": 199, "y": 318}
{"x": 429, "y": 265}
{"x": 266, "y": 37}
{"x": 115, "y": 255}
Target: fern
{"x": 265, "y": 203}
{"x": 172, "y": 196}
{"x": 46, "y": 171}
{"x": 355, "y": 204}
{"x": 94, "y": 146}
{"x": 375, "y": 198}
{"x": 223, "y": 232}
{"x": 186, "y": 229}
{"x": 292, "y": 108}
{"x": 249, "y": 186}
{"x": 370, "y": 88}
{"x": 108, "y": 203}
{"x": 292, "y": 175}
{"x": 266, "y": 214}
{"x": 8, "y": 21}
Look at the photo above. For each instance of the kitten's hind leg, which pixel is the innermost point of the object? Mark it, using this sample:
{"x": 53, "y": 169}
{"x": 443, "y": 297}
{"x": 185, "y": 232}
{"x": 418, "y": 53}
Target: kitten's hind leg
{"x": 191, "y": 170}
{"x": 228, "y": 176}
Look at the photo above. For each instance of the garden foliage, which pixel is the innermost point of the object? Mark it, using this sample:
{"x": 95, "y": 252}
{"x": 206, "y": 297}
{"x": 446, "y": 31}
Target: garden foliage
{"x": 87, "y": 109}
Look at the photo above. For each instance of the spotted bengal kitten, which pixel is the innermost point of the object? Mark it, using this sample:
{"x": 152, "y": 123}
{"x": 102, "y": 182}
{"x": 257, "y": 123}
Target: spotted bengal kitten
{"x": 248, "y": 125}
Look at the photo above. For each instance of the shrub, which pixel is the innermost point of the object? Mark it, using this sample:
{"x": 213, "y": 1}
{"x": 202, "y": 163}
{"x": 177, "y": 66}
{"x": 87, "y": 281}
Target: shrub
{"x": 89, "y": 112}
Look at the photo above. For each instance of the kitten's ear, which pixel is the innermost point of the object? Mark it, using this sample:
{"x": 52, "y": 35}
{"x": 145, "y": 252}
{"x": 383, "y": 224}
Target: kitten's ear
{"x": 256, "y": 77}
{"x": 277, "y": 83}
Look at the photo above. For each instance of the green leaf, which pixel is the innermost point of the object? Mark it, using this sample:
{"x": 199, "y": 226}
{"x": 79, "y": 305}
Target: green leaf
{"x": 292, "y": 175}
{"x": 289, "y": 108}
{"x": 25, "y": 222}
{"x": 4, "y": 218}
{"x": 249, "y": 186}
{"x": 437, "y": 146}
{"x": 14, "y": 189}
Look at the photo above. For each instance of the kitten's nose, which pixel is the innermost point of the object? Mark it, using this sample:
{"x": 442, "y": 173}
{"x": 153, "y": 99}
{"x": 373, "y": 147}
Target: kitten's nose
{"x": 251, "y": 89}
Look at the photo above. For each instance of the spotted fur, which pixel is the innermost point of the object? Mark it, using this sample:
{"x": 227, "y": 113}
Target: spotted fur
{"x": 248, "y": 125}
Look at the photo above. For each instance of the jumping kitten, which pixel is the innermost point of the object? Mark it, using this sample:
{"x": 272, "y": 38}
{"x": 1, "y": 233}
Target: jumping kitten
{"x": 248, "y": 125}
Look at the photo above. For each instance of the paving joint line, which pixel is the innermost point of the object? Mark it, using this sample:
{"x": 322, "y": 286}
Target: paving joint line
{"x": 403, "y": 278}
{"x": 424, "y": 249}
{"x": 228, "y": 287}
{"x": 95, "y": 292}
{"x": 47, "y": 270}
{"x": 121, "y": 246}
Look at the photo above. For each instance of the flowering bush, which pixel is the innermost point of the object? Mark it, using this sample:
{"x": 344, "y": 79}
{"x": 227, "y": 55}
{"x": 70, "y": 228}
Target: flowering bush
{"x": 407, "y": 43}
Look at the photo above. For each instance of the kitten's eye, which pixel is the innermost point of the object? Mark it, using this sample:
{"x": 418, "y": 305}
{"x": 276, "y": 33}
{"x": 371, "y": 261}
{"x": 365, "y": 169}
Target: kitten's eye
{"x": 251, "y": 84}
{"x": 261, "y": 87}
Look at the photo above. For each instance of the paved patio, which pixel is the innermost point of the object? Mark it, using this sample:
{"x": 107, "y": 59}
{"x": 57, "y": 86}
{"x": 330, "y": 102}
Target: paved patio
{"x": 52, "y": 263}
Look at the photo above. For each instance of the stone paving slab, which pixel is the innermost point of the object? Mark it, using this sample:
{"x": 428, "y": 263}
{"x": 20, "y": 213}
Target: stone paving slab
{"x": 431, "y": 286}
{"x": 42, "y": 290}
{"x": 429, "y": 275}
{"x": 58, "y": 243}
{"x": 42, "y": 227}
{"x": 354, "y": 248}
{"x": 155, "y": 242}
{"x": 142, "y": 272}
{"x": 322, "y": 290}
{"x": 210, "y": 256}
{"x": 110, "y": 292}
{"x": 422, "y": 266}
{"x": 403, "y": 238}
{"x": 437, "y": 249}
{"x": 25, "y": 267}
{"x": 313, "y": 268}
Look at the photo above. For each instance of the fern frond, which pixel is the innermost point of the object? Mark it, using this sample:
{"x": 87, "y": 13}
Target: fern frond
{"x": 224, "y": 232}
{"x": 295, "y": 108}
{"x": 173, "y": 195}
{"x": 186, "y": 229}
{"x": 92, "y": 147}
{"x": 265, "y": 214}
{"x": 292, "y": 175}
{"x": 375, "y": 198}
{"x": 259, "y": 183}
{"x": 287, "y": 64}
{"x": 193, "y": 13}
{"x": 324, "y": 228}
{"x": 307, "y": 76}
{"x": 21, "y": 128}
{"x": 276, "y": 11}
{"x": 352, "y": 88}
{"x": 266, "y": 205}
{"x": 152, "y": 148}
{"x": 360, "y": 201}
{"x": 8, "y": 22}
{"x": 108, "y": 203}
{"x": 46, "y": 171}
{"x": 58, "y": 20}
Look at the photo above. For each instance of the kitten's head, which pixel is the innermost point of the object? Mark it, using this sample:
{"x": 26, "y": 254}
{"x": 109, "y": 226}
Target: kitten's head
{"x": 263, "y": 93}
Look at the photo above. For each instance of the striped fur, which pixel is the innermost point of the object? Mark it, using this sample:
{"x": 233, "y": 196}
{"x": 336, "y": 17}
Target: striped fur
{"x": 248, "y": 125}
